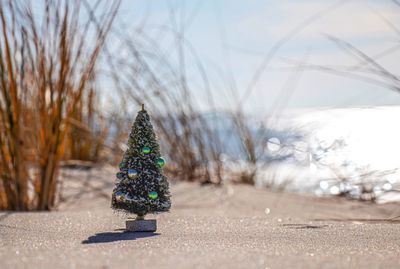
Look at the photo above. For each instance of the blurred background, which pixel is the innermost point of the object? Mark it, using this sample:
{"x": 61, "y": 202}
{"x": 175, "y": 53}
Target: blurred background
{"x": 288, "y": 95}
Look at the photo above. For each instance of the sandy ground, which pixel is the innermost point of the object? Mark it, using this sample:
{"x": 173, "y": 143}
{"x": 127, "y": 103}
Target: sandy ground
{"x": 233, "y": 226}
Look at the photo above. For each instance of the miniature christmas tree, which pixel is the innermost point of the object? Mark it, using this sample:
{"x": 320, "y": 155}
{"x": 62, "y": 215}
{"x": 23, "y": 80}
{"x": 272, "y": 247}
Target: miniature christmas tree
{"x": 141, "y": 187}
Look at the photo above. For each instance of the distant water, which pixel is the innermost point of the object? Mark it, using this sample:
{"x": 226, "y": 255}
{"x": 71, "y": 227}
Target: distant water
{"x": 348, "y": 151}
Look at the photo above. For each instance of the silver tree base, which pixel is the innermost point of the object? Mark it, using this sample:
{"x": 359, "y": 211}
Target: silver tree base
{"x": 141, "y": 225}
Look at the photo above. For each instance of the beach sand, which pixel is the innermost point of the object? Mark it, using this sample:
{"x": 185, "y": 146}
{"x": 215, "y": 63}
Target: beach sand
{"x": 233, "y": 226}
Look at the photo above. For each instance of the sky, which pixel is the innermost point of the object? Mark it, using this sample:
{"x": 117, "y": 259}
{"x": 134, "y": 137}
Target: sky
{"x": 232, "y": 38}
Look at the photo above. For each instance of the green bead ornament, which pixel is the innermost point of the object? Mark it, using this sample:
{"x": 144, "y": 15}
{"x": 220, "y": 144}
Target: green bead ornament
{"x": 153, "y": 195}
{"x": 133, "y": 173}
{"x": 146, "y": 150}
{"x": 160, "y": 162}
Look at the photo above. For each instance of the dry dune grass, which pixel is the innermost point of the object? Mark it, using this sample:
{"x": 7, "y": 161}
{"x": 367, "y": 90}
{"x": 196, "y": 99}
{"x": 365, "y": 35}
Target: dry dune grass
{"x": 47, "y": 73}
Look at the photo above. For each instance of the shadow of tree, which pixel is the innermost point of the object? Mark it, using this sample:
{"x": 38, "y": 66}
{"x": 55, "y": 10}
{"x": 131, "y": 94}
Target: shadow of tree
{"x": 116, "y": 236}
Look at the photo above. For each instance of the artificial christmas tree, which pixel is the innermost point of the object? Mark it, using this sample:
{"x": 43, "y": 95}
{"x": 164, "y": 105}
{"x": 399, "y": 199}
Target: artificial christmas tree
{"x": 141, "y": 188}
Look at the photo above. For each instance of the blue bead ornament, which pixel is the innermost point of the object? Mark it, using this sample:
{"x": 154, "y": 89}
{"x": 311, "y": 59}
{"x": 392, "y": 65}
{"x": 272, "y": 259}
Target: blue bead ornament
{"x": 160, "y": 162}
{"x": 133, "y": 173}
